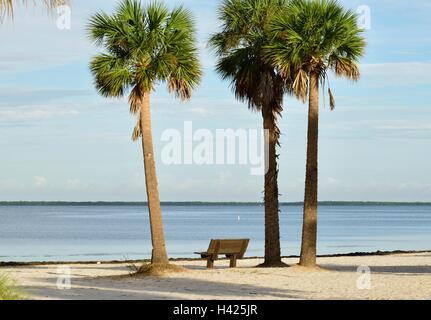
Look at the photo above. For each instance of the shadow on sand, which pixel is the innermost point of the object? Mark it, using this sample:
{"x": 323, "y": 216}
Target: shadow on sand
{"x": 154, "y": 288}
{"x": 405, "y": 270}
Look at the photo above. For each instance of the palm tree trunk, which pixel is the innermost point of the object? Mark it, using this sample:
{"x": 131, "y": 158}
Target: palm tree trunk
{"x": 272, "y": 227}
{"x": 159, "y": 255}
{"x": 309, "y": 231}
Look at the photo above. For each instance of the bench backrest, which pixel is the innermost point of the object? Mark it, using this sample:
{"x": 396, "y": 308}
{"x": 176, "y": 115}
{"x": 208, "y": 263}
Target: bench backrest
{"x": 228, "y": 246}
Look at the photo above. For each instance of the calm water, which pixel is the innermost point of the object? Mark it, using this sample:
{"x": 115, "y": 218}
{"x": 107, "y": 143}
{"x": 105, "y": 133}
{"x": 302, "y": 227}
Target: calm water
{"x": 79, "y": 233}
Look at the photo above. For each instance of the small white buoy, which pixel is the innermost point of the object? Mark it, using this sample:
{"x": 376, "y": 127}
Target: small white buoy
{"x": 239, "y": 218}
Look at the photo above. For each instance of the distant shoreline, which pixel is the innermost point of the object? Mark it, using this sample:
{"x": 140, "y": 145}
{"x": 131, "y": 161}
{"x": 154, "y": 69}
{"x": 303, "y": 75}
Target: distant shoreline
{"x": 354, "y": 254}
{"x": 202, "y": 203}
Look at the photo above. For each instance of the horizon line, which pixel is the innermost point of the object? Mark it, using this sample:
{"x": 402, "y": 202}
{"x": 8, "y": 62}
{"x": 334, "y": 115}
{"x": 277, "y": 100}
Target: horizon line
{"x": 5, "y": 203}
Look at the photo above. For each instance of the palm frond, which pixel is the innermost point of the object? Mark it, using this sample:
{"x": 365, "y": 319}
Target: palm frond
{"x": 300, "y": 85}
{"x": 137, "y": 132}
{"x": 344, "y": 67}
{"x": 111, "y": 75}
{"x": 331, "y": 100}
{"x": 135, "y": 100}
{"x": 240, "y": 47}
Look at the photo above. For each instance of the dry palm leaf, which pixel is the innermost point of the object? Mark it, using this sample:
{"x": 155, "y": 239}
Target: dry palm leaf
{"x": 137, "y": 132}
{"x": 331, "y": 100}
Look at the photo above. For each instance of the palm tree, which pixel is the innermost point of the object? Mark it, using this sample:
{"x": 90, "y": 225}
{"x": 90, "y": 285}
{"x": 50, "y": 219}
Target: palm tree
{"x": 239, "y": 46}
{"x": 312, "y": 38}
{"x": 144, "y": 46}
{"x": 7, "y": 6}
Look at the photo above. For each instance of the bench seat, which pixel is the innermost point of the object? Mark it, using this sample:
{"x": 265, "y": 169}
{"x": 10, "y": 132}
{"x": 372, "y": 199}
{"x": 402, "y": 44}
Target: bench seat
{"x": 233, "y": 249}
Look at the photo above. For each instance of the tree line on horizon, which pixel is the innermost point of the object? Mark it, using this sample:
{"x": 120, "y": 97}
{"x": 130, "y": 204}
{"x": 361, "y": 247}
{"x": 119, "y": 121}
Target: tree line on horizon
{"x": 266, "y": 49}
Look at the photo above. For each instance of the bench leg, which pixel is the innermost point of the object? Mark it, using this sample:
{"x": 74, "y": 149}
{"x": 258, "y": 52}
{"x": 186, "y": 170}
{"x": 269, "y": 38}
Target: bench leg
{"x": 210, "y": 263}
{"x": 233, "y": 261}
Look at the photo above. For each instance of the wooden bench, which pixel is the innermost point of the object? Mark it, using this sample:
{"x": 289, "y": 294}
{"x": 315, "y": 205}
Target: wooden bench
{"x": 233, "y": 249}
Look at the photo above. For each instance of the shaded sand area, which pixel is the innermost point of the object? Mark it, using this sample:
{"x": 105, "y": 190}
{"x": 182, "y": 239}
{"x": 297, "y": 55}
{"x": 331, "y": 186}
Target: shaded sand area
{"x": 397, "y": 276}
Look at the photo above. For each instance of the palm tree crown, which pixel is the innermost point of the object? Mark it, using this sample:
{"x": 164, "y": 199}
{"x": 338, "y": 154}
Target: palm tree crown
{"x": 144, "y": 46}
{"x": 239, "y": 45}
{"x": 316, "y": 36}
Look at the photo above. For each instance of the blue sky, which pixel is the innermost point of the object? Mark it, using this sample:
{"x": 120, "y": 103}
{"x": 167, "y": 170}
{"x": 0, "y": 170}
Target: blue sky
{"x": 61, "y": 141}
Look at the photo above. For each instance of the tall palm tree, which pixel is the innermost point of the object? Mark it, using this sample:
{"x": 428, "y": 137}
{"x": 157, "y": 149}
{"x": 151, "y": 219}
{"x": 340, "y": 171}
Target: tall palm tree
{"x": 144, "y": 46}
{"x": 239, "y": 46}
{"x": 312, "y": 38}
{"x": 7, "y": 6}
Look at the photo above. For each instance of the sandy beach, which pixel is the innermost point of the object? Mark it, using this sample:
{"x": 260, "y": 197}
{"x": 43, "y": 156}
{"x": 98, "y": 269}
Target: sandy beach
{"x": 396, "y": 276}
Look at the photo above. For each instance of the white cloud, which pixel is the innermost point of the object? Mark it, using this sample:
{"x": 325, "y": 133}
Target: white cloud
{"x": 73, "y": 183}
{"x": 34, "y": 113}
{"x": 40, "y": 181}
{"x": 405, "y": 74}
{"x": 405, "y": 126}
{"x": 7, "y": 184}
{"x": 18, "y": 95}
{"x": 199, "y": 111}
{"x": 41, "y": 44}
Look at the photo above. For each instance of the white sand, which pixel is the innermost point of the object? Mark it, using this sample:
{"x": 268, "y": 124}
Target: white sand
{"x": 406, "y": 276}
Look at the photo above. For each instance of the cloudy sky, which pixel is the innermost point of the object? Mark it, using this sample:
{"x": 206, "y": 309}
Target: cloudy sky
{"x": 60, "y": 141}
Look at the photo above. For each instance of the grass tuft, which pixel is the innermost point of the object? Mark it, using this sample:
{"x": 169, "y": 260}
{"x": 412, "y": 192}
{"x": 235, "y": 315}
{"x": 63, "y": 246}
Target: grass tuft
{"x": 8, "y": 289}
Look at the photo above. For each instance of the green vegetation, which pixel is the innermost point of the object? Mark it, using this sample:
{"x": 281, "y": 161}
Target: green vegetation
{"x": 8, "y": 290}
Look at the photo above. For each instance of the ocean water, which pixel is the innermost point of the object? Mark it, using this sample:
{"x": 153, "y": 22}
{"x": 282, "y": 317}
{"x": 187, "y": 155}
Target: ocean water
{"x": 118, "y": 232}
